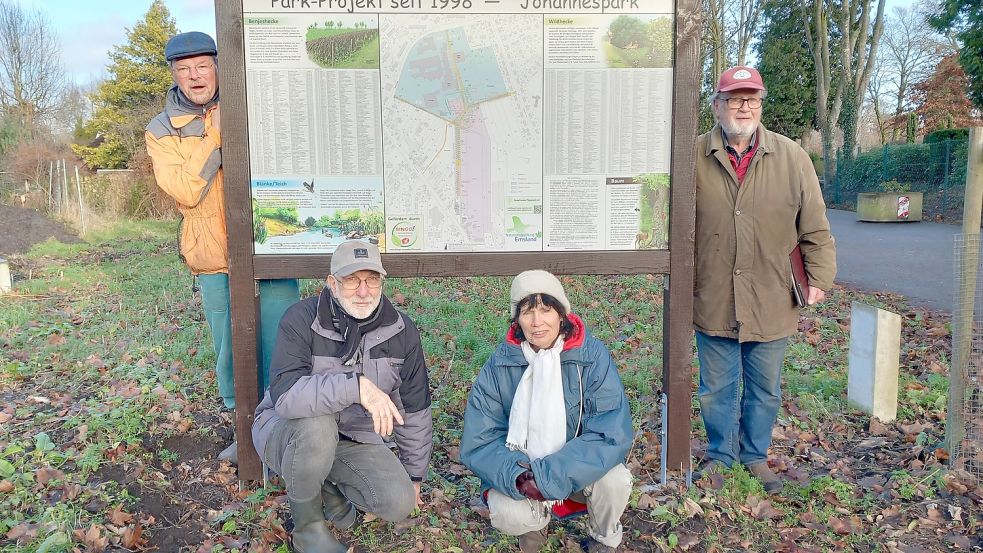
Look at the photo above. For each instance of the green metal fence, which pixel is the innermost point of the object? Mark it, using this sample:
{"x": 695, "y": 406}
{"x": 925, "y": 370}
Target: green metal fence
{"x": 938, "y": 170}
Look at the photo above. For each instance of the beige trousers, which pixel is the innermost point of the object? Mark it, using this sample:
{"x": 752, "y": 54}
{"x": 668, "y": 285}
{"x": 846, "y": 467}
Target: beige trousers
{"x": 606, "y": 500}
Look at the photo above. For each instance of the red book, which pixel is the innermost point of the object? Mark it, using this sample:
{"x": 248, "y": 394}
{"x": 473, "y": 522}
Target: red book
{"x": 800, "y": 280}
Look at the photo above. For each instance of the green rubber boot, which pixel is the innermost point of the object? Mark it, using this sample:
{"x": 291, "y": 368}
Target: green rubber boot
{"x": 311, "y": 533}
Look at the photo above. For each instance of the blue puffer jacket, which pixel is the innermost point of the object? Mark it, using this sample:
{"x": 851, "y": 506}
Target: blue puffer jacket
{"x": 594, "y": 396}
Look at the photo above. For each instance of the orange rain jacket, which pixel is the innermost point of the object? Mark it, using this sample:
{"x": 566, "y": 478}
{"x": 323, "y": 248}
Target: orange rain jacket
{"x": 187, "y": 157}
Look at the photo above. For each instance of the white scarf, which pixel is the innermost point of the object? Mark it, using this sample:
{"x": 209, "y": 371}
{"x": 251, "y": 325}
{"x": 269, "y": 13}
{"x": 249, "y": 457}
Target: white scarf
{"x": 538, "y": 420}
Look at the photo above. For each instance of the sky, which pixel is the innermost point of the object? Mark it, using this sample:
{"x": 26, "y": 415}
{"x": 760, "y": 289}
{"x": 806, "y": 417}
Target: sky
{"x": 89, "y": 29}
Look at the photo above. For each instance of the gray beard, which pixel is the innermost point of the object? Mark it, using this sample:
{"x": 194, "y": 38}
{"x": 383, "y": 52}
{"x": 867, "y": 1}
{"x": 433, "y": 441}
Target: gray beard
{"x": 737, "y": 130}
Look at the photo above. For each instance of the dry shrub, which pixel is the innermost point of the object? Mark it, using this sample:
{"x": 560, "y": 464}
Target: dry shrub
{"x": 127, "y": 194}
{"x": 31, "y": 160}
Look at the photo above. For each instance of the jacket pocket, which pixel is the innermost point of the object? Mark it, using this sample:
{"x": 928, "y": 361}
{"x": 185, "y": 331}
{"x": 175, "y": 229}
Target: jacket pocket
{"x": 384, "y": 373}
{"x": 602, "y": 404}
{"x": 200, "y": 247}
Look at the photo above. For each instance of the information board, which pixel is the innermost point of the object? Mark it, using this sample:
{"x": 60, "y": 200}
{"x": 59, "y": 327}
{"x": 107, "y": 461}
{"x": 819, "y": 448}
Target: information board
{"x": 459, "y": 125}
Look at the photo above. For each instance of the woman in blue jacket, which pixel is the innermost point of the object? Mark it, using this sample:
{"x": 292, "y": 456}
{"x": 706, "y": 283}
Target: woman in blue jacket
{"x": 547, "y": 425}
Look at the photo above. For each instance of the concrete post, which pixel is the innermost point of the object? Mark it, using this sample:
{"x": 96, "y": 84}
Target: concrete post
{"x": 4, "y": 277}
{"x": 875, "y": 350}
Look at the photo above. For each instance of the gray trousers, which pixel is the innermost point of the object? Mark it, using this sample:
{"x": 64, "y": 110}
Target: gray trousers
{"x": 606, "y": 500}
{"x": 308, "y": 452}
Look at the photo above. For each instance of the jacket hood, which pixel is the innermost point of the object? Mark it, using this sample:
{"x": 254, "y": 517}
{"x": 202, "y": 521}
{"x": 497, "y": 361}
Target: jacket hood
{"x": 575, "y": 340}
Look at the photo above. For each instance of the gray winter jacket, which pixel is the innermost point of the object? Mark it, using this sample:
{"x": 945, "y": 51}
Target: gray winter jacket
{"x": 308, "y": 379}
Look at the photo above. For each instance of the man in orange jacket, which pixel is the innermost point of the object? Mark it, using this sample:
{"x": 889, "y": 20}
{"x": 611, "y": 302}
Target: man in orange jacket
{"x": 185, "y": 144}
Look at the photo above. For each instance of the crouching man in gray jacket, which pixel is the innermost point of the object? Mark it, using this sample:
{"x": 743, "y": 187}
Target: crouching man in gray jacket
{"x": 348, "y": 383}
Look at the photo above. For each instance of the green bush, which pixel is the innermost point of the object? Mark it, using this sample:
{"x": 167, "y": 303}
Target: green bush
{"x": 817, "y": 163}
{"x": 895, "y": 186}
{"x": 942, "y": 135}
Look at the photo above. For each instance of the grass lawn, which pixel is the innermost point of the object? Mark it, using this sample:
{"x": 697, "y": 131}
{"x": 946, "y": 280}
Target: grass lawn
{"x": 110, "y": 423}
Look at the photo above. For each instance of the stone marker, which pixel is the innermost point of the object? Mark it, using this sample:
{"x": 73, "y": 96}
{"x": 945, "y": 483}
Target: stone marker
{"x": 4, "y": 276}
{"x": 875, "y": 350}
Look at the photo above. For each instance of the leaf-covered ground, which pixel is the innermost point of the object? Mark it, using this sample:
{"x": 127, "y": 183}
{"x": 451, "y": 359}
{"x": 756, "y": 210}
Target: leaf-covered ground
{"x": 110, "y": 426}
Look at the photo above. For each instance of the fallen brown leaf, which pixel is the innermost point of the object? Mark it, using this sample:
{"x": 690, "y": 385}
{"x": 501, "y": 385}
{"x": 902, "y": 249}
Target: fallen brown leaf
{"x": 23, "y": 532}
{"x": 92, "y": 538}
{"x": 842, "y": 526}
{"x": 45, "y": 475}
{"x": 692, "y": 508}
{"x": 764, "y": 510}
{"x": 132, "y": 537}
{"x": 119, "y": 517}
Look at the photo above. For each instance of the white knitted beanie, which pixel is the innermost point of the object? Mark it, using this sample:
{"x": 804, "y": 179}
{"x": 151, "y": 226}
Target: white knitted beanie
{"x": 537, "y": 281}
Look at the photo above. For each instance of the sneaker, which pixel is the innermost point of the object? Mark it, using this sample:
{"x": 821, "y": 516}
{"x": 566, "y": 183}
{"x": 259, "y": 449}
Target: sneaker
{"x": 532, "y": 542}
{"x": 594, "y": 546}
{"x": 771, "y": 482}
{"x": 568, "y": 508}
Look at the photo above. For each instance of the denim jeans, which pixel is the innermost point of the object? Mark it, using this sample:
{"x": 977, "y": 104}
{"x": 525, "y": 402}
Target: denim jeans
{"x": 307, "y": 452}
{"x": 606, "y": 500}
{"x": 740, "y": 394}
{"x": 275, "y": 296}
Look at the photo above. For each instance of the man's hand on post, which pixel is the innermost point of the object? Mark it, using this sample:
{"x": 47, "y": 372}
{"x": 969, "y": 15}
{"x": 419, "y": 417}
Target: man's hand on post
{"x": 815, "y": 295}
{"x": 378, "y": 404}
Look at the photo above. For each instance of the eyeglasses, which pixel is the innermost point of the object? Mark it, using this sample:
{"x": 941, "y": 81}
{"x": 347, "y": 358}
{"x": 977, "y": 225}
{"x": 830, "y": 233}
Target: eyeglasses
{"x": 201, "y": 68}
{"x": 352, "y": 282}
{"x": 736, "y": 103}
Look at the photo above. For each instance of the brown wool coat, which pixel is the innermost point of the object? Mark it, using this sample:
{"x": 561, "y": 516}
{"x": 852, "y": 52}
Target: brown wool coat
{"x": 745, "y": 233}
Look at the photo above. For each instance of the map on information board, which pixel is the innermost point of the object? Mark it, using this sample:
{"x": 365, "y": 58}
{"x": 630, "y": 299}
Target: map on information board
{"x": 498, "y": 127}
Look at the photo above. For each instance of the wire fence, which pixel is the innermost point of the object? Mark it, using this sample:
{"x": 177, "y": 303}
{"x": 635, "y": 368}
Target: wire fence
{"x": 964, "y": 427}
{"x": 937, "y": 170}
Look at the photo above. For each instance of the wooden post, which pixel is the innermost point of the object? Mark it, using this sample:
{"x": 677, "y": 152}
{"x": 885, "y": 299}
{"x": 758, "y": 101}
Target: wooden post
{"x": 64, "y": 185}
{"x": 677, "y": 315}
{"x": 51, "y": 169}
{"x": 966, "y": 295}
{"x": 78, "y": 187}
{"x": 238, "y": 213}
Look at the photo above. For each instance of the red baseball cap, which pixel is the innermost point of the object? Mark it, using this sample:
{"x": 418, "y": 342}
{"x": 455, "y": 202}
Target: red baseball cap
{"x": 740, "y": 77}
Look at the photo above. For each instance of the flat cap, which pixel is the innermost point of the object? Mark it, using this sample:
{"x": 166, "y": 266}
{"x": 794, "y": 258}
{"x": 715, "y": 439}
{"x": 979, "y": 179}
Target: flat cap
{"x": 186, "y": 45}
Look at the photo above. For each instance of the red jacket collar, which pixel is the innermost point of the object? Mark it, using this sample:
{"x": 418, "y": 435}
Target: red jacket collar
{"x": 575, "y": 340}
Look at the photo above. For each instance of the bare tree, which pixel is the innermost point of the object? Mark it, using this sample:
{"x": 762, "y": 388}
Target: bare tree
{"x": 911, "y": 50}
{"x": 744, "y": 17}
{"x": 714, "y": 38}
{"x": 31, "y": 74}
{"x": 856, "y": 50}
{"x": 731, "y": 26}
{"x": 875, "y": 98}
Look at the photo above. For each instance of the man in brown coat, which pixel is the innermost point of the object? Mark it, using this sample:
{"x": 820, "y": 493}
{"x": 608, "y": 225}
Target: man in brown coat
{"x": 757, "y": 197}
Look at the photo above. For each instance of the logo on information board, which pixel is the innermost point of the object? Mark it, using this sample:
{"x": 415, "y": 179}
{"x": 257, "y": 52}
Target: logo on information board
{"x": 404, "y": 235}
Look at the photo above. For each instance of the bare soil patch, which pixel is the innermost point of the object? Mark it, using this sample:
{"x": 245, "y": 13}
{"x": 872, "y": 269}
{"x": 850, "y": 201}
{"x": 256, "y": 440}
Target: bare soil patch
{"x": 21, "y": 228}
